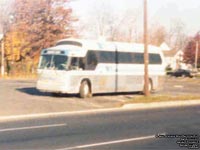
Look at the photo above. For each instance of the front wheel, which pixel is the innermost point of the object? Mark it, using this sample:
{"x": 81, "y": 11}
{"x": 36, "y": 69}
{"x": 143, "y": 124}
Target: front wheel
{"x": 85, "y": 90}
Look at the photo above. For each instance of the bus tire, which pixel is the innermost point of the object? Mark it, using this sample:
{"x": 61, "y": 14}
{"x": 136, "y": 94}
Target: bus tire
{"x": 85, "y": 90}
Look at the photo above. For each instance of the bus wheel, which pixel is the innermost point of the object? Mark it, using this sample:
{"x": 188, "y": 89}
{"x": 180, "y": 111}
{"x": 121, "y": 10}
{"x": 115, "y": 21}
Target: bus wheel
{"x": 85, "y": 90}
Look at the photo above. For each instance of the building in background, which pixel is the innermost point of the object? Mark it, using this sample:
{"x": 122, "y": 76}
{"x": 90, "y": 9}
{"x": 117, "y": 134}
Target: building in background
{"x": 173, "y": 58}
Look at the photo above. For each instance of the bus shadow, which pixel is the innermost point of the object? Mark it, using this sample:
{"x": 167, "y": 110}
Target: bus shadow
{"x": 34, "y": 92}
{"x": 119, "y": 94}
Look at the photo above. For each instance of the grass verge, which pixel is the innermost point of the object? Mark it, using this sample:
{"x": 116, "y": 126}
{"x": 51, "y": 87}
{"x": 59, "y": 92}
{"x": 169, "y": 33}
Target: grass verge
{"x": 162, "y": 98}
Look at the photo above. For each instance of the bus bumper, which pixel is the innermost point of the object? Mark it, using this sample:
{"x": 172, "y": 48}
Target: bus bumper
{"x": 54, "y": 87}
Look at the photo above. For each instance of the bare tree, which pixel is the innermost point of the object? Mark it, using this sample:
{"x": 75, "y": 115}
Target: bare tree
{"x": 6, "y": 11}
{"x": 105, "y": 21}
{"x": 176, "y": 35}
{"x": 5, "y": 15}
{"x": 128, "y": 27}
{"x": 158, "y": 34}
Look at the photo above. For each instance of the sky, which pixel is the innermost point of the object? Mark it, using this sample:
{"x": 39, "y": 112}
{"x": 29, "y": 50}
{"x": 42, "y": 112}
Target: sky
{"x": 164, "y": 12}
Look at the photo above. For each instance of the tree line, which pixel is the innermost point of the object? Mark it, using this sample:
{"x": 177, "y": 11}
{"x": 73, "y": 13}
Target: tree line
{"x": 31, "y": 25}
{"x": 127, "y": 26}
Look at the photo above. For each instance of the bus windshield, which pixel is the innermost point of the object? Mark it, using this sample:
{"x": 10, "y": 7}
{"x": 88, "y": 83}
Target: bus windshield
{"x": 54, "y": 62}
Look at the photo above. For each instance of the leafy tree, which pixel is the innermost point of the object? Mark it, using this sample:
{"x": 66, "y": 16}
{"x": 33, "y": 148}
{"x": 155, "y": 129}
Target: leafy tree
{"x": 33, "y": 25}
{"x": 42, "y": 22}
{"x": 13, "y": 43}
{"x": 190, "y": 50}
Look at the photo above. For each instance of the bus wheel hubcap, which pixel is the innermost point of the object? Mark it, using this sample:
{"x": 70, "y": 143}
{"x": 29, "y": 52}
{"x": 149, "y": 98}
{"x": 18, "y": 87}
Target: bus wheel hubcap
{"x": 86, "y": 89}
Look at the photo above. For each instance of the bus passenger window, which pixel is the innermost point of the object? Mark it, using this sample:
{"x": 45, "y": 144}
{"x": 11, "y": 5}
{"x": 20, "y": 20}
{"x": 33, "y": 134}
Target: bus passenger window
{"x": 91, "y": 60}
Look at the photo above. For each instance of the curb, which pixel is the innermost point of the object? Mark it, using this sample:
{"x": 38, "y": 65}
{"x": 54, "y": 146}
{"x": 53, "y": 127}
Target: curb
{"x": 161, "y": 104}
{"x": 50, "y": 115}
{"x": 139, "y": 106}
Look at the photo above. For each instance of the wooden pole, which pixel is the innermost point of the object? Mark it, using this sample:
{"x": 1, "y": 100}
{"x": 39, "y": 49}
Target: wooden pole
{"x": 146, "y": 55}
{"x": 2, "y": 58}
{"x": 196, "y": 54}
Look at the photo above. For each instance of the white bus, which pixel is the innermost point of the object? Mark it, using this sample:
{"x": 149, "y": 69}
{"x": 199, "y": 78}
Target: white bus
{"x": 86, "y": 67}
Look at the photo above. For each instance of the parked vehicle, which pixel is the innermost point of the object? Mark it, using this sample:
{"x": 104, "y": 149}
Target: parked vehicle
{"x": 180, "y": 73}
{"x": 86, "y": 67}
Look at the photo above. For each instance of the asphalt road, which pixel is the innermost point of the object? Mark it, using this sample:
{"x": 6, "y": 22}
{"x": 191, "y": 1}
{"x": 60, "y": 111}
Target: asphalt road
{"x": 108, "y": 130}
{"x": 19, "y": 97}
{"x": 181, "y": 86}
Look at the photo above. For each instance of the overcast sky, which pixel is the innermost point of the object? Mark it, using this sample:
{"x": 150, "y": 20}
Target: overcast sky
{"x": 161, "y": 11}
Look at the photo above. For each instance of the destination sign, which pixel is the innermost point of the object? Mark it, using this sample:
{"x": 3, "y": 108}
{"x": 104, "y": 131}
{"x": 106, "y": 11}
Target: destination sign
{"x": 53, "y": 52}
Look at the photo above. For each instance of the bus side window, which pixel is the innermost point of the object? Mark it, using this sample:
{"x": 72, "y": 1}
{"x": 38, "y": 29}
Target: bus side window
{"x": 74, "y": 63}
{"x": 81, "y": 63}
{"x": 91, "y": 60}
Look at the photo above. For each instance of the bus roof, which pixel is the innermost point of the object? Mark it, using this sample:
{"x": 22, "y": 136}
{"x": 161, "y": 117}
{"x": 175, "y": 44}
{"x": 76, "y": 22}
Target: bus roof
{"x": 79, "y": 47}
{"x": 107, "y": 46}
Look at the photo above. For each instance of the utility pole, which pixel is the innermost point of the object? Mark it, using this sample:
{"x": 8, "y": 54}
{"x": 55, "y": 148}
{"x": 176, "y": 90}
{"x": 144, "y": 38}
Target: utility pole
{"x": 2, "y": 57}
{"x": 146, "y": 55}
{"x": 196, "y": 54}
{"x": 2, "y": 7}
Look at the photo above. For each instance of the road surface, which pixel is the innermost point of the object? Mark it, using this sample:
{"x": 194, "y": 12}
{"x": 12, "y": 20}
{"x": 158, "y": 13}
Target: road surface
{"x": 19, "y": 97}
{"x": 108, "y": 130}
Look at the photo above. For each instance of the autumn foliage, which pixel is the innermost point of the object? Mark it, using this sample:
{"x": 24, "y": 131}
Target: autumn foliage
{"x": 190, "y": 50}
{"x": 36, "y": 24}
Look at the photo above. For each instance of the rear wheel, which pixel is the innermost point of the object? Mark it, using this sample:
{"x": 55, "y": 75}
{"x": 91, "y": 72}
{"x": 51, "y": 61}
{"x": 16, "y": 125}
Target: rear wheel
{"x": 85, "y": 90}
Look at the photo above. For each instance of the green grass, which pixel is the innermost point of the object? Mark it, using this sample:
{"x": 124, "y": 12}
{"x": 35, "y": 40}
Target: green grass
{"x": 162, "y": 98}
{"x": 198, "y": 76}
